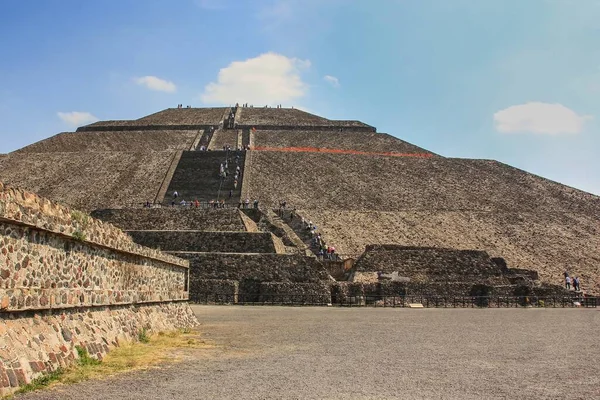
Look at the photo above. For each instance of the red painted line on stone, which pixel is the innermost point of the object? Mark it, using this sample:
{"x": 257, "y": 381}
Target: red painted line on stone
{"x": 339, "y": 151}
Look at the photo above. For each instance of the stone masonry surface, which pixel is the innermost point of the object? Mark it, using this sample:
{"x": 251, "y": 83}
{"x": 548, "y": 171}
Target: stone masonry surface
{"x": 355, "y": 201}
{"x": 346, "y": 140}
{"x": 33, "y": 344}
{"x": 267, "y": 117}
{"x": 347, "y": 182}
{"x": 89, "y": 180}
{"x": 171, "y": 118}
{"x": 548, "y": 243}
{"x": 250, "y": 270}
{"x": 173, "y": 218}
{"x": 67, "y": 279}
{"x": 132, "y": 141}
{"x": 22, "y": 207}
{"x": 40, "y": 270}
{"x": 201, "y": 241}
{"x": 429, "y": 264}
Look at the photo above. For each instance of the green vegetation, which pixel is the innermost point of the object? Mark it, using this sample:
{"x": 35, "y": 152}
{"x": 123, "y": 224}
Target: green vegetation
{"x": 79, "y": 235}
{"x": 82, "y": 221}
{"x": 143, "y": 336}
{"x": 42, "y": 381}
{"x": 84, "y": 357}
{"x": 81, "y": 218}
{"x": 151, "y": 350}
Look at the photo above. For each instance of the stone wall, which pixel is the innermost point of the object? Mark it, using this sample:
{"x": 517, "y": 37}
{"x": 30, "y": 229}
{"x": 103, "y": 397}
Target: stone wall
{"x": 169, "y": 119}
{"x": 173, "y": 218}
{"x": 324, "y": 181}
{"x": 215, "y": 290}
{"x": 119, "y": 141}
{"x": 89, "y": 180}
{"x": 422, "y": 264}
{"x": 289, "y": 118}
{"x": 67, "y": 279}
{"x": 294, "y": 293}
{"x": 251, "y": 270}
{"x": 41, "y": 270}
{"x": 35, "y": 343}
{"x": 206, "y": 242}
{"x": 346, "y": 140}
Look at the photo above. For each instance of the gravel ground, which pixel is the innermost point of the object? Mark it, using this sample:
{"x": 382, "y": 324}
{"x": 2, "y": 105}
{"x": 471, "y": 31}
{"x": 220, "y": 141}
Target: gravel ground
{"x": 333, "y": 353}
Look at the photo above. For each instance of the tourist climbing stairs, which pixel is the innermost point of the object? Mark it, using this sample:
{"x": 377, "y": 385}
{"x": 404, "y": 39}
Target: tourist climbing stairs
{"x": 290, "y": 239}
{"x": 198, "y": 176}
{"x": 206, "y": 138}
{"x": 224, "y": 138}
{"x": 300, "y": 230}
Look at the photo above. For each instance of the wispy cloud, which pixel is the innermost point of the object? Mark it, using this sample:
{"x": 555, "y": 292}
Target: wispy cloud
{"x": 542, "y": 118}
{"x": 155, "y": 83}
{"x": 77, "y": 118}
{"x": 269, "y": 78}
{"x": 332, "y": 80}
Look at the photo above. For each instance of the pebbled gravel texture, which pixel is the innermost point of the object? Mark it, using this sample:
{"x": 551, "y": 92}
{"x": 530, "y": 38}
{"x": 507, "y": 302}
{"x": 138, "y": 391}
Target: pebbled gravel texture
{"x": 351, "y": 353}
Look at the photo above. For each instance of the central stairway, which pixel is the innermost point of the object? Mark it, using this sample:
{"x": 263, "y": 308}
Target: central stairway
{"x": 197, "y": 177}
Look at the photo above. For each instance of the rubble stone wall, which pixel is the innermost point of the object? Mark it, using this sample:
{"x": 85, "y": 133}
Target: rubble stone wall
{"x": 206, "y": 242}
{"x": 67, "y": 280}
{"x": 253, "y": 269}
{"x": 174, "y": 218}
{"x": 32, "y": 344}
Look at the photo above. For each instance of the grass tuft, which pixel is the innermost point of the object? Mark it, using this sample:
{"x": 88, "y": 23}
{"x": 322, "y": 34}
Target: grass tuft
{"x": 42, "y": 382}
{"x": 153, "y": 350}
{"x": 143, "y": 336}
{"x": 84, "y": 357}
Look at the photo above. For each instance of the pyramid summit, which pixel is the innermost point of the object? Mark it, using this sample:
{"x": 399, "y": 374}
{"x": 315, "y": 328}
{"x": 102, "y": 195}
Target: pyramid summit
{"x": 359, "y": 187}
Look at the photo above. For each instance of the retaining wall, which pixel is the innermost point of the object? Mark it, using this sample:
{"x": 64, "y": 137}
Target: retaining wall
{"x": 174, "y": 218}
{"x": 67, "y": 279}
{"x": 206, "y": 242}
{"x": 252, "y": 269}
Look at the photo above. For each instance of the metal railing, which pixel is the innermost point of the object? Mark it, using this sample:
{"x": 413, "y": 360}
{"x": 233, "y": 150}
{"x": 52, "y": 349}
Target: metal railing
{"x": 394, "y": 301}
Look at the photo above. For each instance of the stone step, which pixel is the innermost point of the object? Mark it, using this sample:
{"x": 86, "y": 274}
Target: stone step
{"x": 197, "y": 177}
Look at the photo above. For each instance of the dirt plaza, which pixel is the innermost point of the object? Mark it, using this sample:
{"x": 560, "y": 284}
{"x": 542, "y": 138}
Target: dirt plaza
{"x": 343, "y": 353}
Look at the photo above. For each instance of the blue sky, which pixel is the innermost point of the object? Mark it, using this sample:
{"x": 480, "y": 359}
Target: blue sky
{"x": 512, "y": 80}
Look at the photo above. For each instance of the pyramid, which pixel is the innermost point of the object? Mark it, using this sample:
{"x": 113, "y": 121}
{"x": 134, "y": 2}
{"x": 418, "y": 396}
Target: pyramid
{"x": 358, "y": 186}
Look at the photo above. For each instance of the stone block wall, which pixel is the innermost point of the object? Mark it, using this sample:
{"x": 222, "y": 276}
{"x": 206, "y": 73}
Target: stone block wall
{"x": 67, "y": 279}
{"x": 422, "y": 264}
{"x": 210, "y": 290}
{"x": 288, "y": 118}
{"x": 117, "y": 141}
{"x": 290, "y": 292}
{"x": 173, "y": 218}
{"x": 91, "y": 179}
{"x": 40, "y": 270}
{"x": 34, "y": 344}
{"x": 346, "y": 140}
{"x": 251, "y": 270}
{"x": 206, "y": 242}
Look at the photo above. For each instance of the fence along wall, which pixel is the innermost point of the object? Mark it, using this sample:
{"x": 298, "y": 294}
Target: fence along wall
{"x": 67, "y": 279}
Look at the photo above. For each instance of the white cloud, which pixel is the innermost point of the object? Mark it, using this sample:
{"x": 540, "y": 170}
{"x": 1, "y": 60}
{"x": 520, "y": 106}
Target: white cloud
{"x": 155, "y": 83}
{"x": 77, "y": 118}
{"x": 332, "y": 80}
{"x": 537, "y": 117}
{"x": 267, "y": 79}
